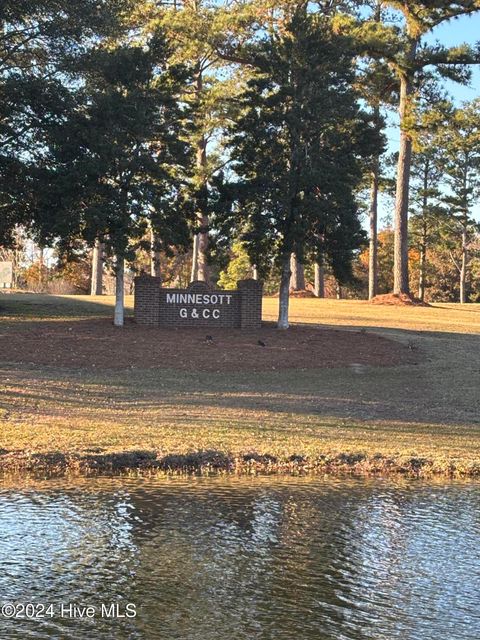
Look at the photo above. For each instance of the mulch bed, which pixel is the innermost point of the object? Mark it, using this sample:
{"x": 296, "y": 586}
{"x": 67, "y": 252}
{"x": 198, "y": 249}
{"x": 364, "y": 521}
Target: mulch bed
{"x": 97, "y": 344}
{"x": 298, "y": 293}
{"x": 399, "y": 299}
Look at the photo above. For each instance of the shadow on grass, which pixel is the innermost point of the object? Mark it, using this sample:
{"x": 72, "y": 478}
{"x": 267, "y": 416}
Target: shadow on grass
{"x": 475, "y": 308}
{"x": 443, "y": 389}
{"x": 44, "y": 306}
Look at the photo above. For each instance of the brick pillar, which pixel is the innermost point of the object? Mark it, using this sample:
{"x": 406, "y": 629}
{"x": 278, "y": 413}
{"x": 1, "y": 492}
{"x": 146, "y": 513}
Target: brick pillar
{"x": 251, "y": 292}
{"x": 147, "y": 299}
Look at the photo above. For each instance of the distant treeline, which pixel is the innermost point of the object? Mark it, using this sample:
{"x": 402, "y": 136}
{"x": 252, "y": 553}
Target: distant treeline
{"x": 207, "y": 140}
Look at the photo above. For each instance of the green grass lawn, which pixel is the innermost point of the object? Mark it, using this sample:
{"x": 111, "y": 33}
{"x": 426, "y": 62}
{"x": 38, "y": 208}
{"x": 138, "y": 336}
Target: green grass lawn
{"x": 362, "y": 418}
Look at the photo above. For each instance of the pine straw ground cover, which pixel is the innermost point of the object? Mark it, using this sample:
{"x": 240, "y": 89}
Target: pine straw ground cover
{"x": 415, "y": 411}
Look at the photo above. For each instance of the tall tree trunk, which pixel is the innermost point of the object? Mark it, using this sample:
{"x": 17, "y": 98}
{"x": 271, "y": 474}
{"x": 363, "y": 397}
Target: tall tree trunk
{"x": 119, "y": 313}
{"x": 300, "y": 276}
{"x": 293, "y": 271}
{"x": 319, "y": 280}
{"x": 400, "y": 266}
{"x": 422, "y": 269}
{"x": 339, "y": 291}
{"x": 41, "y": 270}
{"x": 255, "y": 272}
{"x": 424, "y": 238}
{"x": 373, "y": 213}
{"x": 96, "y": 284}
{"x": 297, "y": 279}
{"x": 202, "y": 261}
{"x": 284, "y": 297}
{"x": 463, "y": 270}
{"x": 200, "y": 244}
{"x": 13, "y": 285}
{"x": 194, "y": 271}
{"x": 155, "y": 270}
{"x": 373, "y": 245}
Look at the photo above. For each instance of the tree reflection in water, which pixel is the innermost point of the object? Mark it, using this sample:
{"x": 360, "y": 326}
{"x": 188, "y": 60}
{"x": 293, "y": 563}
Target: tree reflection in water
{"x": 264, "y": 558}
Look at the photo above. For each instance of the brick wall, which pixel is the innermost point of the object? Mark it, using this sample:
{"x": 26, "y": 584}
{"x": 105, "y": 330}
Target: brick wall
{"x": 251, "y": 292}
{"x": 199, "y": 305}
{"x": 147, "y": 300}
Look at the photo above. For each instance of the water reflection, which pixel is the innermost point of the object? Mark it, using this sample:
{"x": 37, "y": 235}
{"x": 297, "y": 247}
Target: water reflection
{"x": 253, "y": 558}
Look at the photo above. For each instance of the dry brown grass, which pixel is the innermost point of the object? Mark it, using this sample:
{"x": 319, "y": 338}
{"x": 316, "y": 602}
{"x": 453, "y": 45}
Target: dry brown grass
{"x": 426, "y": 412}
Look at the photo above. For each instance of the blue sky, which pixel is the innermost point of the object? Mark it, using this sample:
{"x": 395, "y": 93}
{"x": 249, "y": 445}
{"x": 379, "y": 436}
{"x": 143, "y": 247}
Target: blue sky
{"x": 465, "y": 29}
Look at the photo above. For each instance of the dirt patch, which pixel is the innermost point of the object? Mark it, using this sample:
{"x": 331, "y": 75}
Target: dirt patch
{"x": 298, "y": 293}
{"x": 96, "y": 343}
{"x": 302, "y": 293}
{"x": 399, "y": 299}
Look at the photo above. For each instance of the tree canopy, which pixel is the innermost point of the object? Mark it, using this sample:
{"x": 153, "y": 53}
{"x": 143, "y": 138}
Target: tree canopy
{"x": 188, "y": 128}
{"x": 296, "y": 150}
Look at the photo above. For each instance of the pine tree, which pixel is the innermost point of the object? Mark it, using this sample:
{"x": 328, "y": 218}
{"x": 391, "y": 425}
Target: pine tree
{"x": 40, "y": 42}
{"x": 238, "y": 268}
{"x": 427, "y": 213}
{"x": 432, "y": 112}
{"x": 404, "y": 49}
{"x": 378, "y": 87}
{"x": 296, "y": 150}
{"x": 197, "y": 27}
{"x": 117, "y": 165}
{"x": 460, "y": 143}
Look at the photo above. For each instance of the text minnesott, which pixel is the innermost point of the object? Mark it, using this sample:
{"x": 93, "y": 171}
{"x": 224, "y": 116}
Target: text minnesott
{"x": 199, "y": 298}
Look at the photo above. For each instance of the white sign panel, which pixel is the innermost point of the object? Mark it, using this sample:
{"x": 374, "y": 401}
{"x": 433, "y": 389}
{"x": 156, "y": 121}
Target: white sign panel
{"x": 6, "y": 274}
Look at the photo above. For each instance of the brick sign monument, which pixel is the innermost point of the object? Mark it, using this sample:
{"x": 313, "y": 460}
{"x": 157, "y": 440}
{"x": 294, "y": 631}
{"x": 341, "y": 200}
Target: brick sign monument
{"x": 199, "y": 305}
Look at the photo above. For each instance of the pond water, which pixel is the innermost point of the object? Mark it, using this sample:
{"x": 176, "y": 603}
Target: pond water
{"x": 221, "y": 558}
